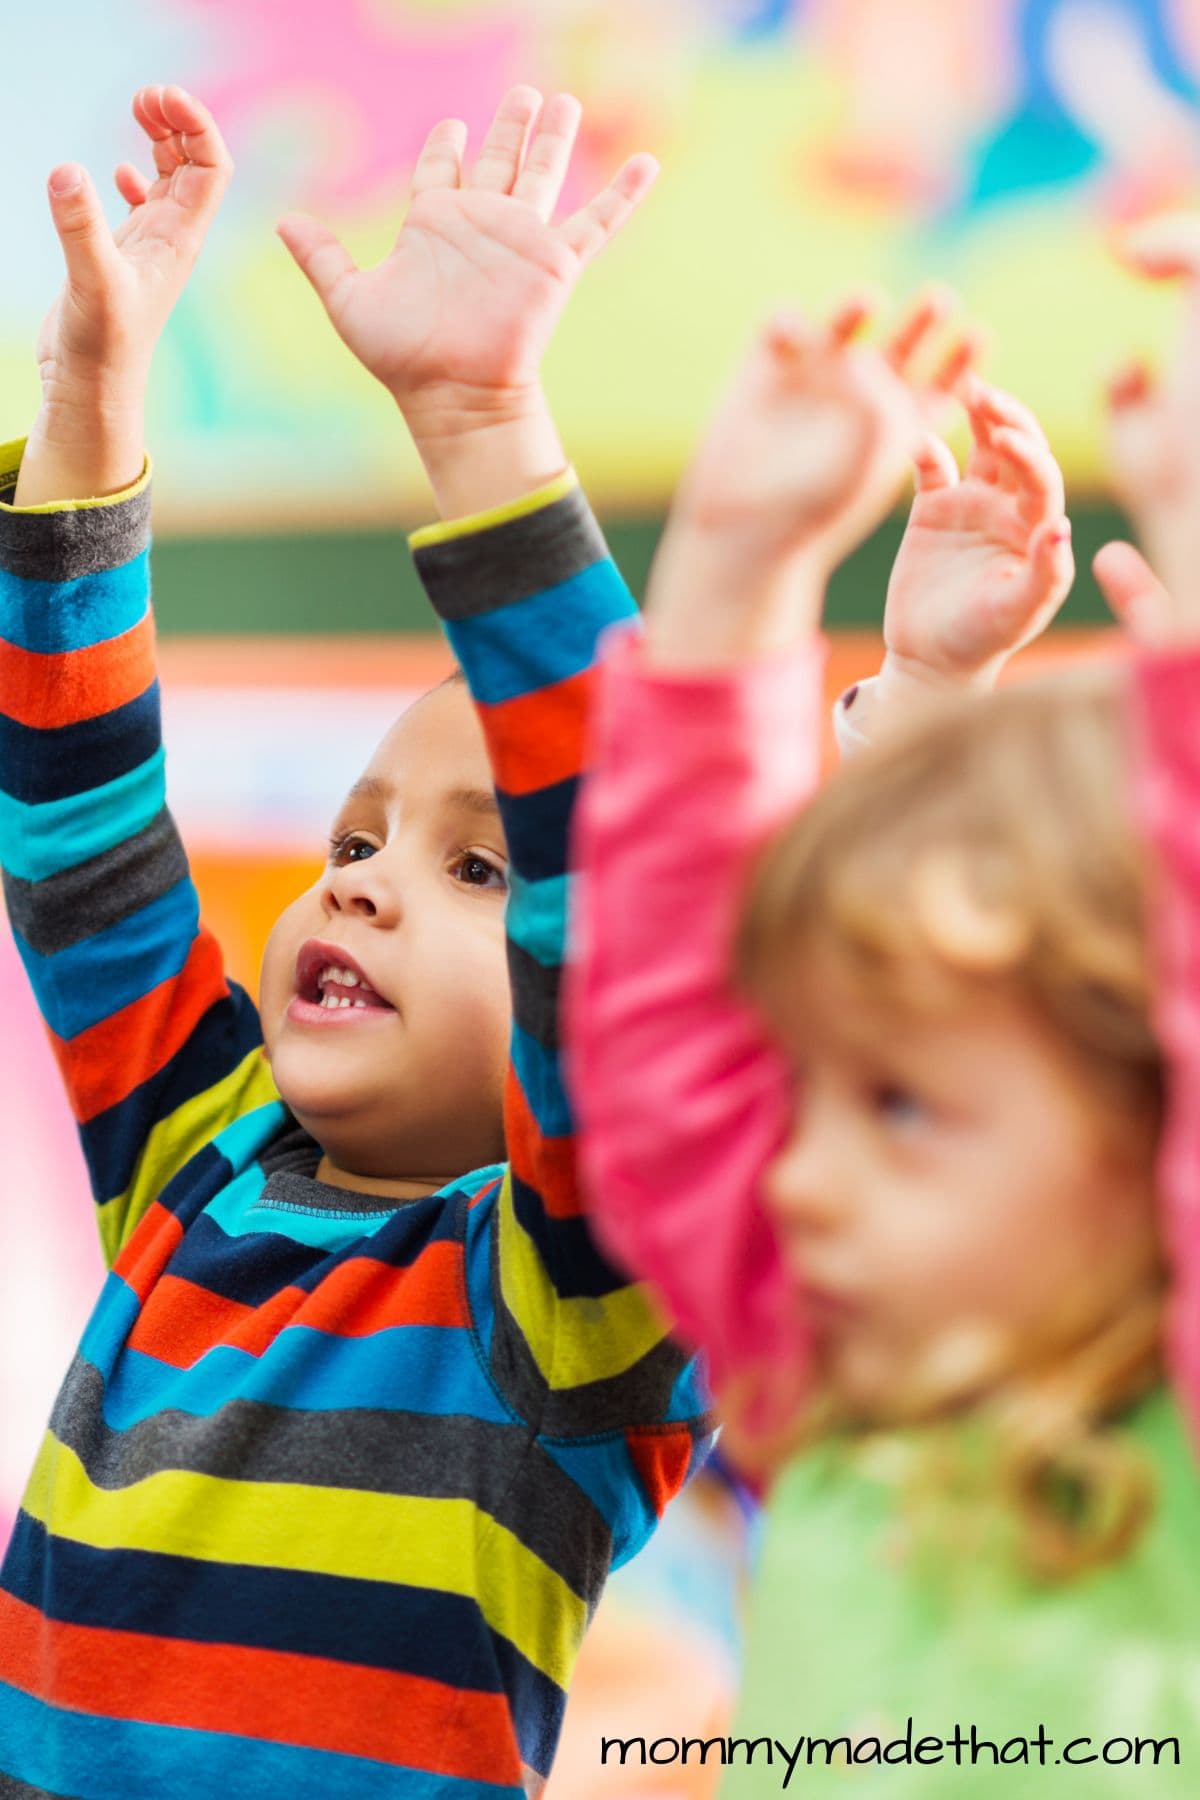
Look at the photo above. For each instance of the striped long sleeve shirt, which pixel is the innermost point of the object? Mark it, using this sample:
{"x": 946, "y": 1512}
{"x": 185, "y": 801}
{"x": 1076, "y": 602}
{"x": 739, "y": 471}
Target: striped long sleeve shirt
{"x": 333, "y": 1484}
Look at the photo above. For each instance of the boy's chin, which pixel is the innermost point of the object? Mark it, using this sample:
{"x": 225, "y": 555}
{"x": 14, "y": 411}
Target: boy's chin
{"x": 318, "y": 1083}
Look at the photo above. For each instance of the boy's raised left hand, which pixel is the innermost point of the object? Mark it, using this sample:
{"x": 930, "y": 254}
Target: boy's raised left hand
{"x": 455, "y": 320}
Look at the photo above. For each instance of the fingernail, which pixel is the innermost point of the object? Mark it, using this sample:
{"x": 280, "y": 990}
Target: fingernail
{"x": 67, "y": 180}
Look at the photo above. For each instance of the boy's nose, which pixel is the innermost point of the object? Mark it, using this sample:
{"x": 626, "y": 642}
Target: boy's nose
{"x": 363, "y": 889}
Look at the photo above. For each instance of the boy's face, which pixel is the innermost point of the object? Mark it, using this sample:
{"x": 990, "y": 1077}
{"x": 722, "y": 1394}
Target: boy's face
{"x": 950, "y": 1201}
{"x": 404, "y": 1083}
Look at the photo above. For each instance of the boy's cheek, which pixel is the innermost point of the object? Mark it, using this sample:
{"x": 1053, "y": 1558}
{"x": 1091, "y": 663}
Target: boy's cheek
{"x": 275, "y": 983}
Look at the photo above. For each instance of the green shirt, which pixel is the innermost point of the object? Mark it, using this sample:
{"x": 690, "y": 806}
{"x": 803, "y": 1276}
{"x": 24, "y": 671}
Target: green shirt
{"x": 860, "y": 1623}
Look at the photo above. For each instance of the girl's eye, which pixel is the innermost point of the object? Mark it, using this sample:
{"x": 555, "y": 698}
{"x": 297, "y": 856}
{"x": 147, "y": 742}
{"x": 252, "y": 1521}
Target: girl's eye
{"x": 476, "y": 871}
{"x": 899, "y": 1107}
{"x": 349, "y": 849}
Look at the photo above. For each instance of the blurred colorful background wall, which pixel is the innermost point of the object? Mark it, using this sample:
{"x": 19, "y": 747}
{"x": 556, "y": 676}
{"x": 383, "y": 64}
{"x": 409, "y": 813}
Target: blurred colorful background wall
{"x": 806, "y": 144}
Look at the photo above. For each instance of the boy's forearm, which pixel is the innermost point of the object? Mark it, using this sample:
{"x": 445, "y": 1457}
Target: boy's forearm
{"x": 480, "y": 454}
{"x": 82, "y": 447}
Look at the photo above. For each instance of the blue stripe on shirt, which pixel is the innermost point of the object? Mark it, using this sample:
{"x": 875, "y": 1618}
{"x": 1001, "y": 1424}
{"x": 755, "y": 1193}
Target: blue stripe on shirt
{"x": 50, "y": 618}
{"x": 36, "y": 841}
{"x": 78, "y": 987}
{"x": 562, "y": 621}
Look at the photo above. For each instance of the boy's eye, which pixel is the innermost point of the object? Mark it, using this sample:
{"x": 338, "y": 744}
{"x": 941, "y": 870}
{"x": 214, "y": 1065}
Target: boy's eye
{"x": 477, "y": 871}
{"x": 349, "y": 849}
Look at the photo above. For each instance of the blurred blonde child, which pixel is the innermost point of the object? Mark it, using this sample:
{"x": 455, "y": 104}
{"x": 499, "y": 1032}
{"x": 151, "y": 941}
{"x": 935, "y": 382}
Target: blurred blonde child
{"x": 883, "y": 1125}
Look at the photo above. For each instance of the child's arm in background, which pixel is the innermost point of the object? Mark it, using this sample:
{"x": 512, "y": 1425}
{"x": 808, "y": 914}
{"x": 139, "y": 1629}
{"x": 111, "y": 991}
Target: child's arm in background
{"x": 156, "y": 1049}
{"x": 1156, "y": 453}
{"x": 983, "y": 567}
{"x": 707, "y": 739}
{"x": 454, "y": 322}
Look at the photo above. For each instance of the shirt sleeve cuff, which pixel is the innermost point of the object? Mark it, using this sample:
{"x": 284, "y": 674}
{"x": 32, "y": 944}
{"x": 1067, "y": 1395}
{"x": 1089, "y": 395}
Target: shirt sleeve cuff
{"x": 11, "y": 456}
{"x": 448, "y": 529}
{"x": 66, "y": 541}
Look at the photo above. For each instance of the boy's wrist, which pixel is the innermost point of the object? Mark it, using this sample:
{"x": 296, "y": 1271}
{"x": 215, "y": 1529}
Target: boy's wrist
{"x": 82, "y": 446}
{"x": 483, "y": 449}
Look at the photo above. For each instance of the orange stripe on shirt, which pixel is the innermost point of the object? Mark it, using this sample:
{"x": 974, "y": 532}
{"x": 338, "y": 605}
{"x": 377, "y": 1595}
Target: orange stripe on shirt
{"x": 104, "y": 1064}
{"x": 538, "y": 739}
{"x": 363, "y": 1295}
{"x": 49, "y": 691}
{"x": 149, "y": 1250}
{"x": 546, "y": 1164}
{"x": 181, "y": 1320}
{"x": 662, "y": 1459}
{"x": 278, "y": 1695}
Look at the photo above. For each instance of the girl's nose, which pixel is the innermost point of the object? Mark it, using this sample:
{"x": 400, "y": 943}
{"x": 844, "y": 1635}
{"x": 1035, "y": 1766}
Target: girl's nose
{"x": 806, "y": 1186}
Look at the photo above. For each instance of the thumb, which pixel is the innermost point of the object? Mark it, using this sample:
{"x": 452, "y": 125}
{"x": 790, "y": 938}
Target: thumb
{"x": 319, "y": 255}
{"x": 1133, "y": 591}
{"x": 81, "y": 226}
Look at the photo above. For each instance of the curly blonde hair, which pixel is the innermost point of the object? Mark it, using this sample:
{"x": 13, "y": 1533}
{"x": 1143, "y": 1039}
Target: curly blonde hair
{"x": 991, "y": 845}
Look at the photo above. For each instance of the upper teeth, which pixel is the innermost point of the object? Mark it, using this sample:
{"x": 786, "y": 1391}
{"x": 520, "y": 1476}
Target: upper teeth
{"x": 344, "y": 977}
{"x": 332, "y": 975}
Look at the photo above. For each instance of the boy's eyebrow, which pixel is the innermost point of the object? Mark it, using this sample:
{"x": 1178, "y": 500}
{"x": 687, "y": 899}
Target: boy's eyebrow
{"x": 463, "y": 799}
{"x": 473, "y": 800}
{"x": 369, "y": 787}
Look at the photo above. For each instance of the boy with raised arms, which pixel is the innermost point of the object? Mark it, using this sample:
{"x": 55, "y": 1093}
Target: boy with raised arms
{"x": 361, "y": 1419}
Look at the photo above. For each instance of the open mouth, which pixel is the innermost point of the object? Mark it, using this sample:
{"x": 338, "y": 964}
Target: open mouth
{"x": 329, "y": 980}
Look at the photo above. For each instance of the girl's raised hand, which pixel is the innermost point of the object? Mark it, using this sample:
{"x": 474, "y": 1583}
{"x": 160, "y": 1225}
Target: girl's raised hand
{"x": 985, "y": 562}
{"x": 803, "y": 458}
{"x": 1154, "y": 434}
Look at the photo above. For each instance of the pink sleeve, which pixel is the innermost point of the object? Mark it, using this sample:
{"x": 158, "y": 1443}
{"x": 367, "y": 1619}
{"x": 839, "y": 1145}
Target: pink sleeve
{"x": 681, "y": 1100}
{"x": 1167, "y": 696}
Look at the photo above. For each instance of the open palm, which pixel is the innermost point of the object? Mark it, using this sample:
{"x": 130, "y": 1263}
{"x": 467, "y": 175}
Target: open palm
{"x": 121, "y": 285}
{"x": 985, "y": 561}
{"x": 478, "y": 277}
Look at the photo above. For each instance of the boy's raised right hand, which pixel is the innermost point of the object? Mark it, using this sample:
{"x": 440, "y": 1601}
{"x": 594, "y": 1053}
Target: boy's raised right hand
{"x": 455, "y": 321}
{"x": 96, "y": 343}
{"x": 803, "y": 459}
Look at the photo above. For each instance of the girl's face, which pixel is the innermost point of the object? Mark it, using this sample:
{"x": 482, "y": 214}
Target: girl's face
{"x": 951, "y": 1200}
